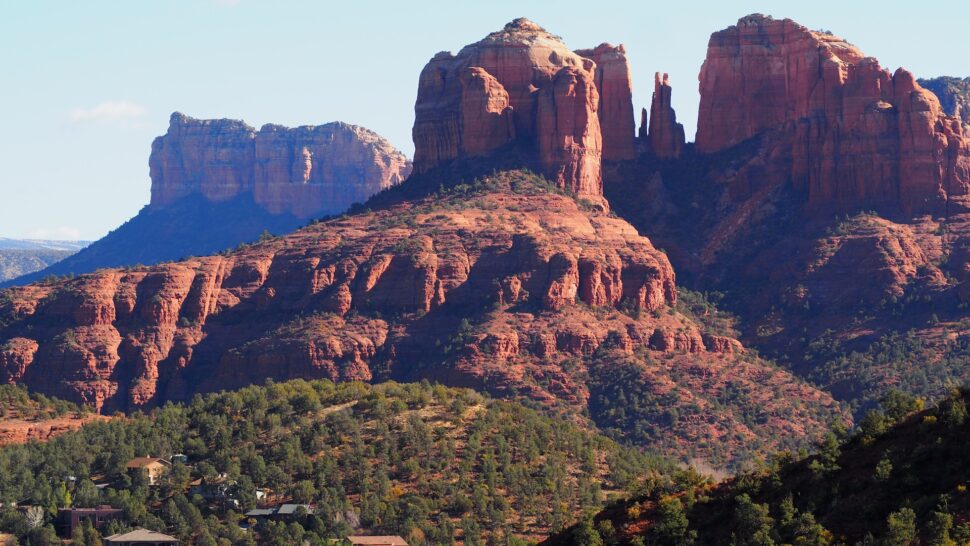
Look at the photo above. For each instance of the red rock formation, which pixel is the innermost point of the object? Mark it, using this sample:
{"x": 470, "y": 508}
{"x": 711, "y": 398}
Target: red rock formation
{"x": 20, "y": 431}
{"x": 666, "y": 136}
{"x": 305, "y": 171}
{"x": 842, "y": 129}
{"x": 541, "y": 281}
{"x": 616, "y": 100}
{"x": 486, "y": 122}
{"x": 124, "y": 333}
{"x": 524, "y": 74}
{"x": 570, "y": 143}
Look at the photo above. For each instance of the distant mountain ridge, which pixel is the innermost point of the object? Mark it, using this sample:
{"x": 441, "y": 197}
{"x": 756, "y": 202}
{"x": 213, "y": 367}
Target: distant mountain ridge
{"x": 41, "y": 244}
{"x": 19, "y": 257}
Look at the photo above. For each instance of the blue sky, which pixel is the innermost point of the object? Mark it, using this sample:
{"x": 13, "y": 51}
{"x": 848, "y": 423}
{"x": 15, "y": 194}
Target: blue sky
{"x": 87, "y": 85}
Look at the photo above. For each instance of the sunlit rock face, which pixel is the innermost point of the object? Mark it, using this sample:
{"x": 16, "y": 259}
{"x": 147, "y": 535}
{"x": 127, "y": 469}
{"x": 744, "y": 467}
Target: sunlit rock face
{"x": 304, "y": 171}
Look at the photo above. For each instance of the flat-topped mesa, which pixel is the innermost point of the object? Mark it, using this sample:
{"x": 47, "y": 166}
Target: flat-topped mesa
{"x": 522, "y": 85}
{"x": 665, "y": 136}
{"x": 303, "y": 171}
{"x": 845, "y": 131}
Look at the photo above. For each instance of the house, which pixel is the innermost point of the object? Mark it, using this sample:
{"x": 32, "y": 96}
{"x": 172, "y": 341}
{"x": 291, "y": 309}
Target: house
{"x": 361, "y": 540}
{"x": 69, "y": 519}
{"x": 219, "y": 489}
{"x": 283, "y": 512}
{"x": 211, "y": 488}
{"x": 140, "y": 537}
{"x": 153, "y": 467}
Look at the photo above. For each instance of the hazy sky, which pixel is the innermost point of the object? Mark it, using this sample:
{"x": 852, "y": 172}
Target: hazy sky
{"x": 87, "y": 85}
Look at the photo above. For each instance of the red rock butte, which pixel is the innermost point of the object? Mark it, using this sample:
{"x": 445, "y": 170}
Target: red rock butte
{"x": 842, "y": 129}
{"x": 304, "y": 171}
{"x": 523, "y": 85}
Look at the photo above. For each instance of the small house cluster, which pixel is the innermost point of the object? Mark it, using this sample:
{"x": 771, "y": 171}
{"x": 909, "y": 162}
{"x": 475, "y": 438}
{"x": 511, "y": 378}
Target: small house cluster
{"x": 219, "y": 491}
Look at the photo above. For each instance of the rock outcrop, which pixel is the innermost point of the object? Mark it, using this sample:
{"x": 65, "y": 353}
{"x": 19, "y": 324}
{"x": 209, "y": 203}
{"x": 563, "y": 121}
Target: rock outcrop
{"x": 954, "y": 95}
{"x": 665, "y": 136}
{"x": 14, "y": 430}
{"x": 615, "y": 111}
{"x": 304, "y": 171}
{"x": 842, "y": 129}
{"x": 115, "y": 337}
{"x": 504, "y": 287}
{"x": 522, "y": 86}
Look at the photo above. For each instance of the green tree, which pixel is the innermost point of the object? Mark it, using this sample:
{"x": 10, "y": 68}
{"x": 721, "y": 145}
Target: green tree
{"x": 809, "y": 532}
{"x": 884, "y": 468}
{"x": 901, "y": 528}
{"x": 953, "y": 410}
{"x": 940, "y": 526}
{"x": 86, "y": 495}
{"x": 672, "y": 527}
{"x": 91, "y": 535}
{"x": 828, "y": 455}
{"x": 585, "y": 534}
{"x": 752, "y": 524}
{"x": 898, "y": 404}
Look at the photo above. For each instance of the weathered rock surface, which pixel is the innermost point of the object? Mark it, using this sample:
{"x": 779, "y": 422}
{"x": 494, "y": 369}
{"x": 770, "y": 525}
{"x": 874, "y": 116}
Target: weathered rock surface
{"x": 665, "y": 135}
{"x": 842, "y": 129}
{"x": 542, "y": 283}
{"x": 615, "y": 111}
{"x": 522, "y": 85}
{"x": 798, "y": 133}
{"x": 14, "y": 430}
{"x": 302, "y": 171}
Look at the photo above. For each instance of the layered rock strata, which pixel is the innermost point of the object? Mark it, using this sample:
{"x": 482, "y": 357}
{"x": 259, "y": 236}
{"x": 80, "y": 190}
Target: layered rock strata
{"x": 304, "y": 171}
{"x": 523, "y": 86}
{"x": 838, "y": 126}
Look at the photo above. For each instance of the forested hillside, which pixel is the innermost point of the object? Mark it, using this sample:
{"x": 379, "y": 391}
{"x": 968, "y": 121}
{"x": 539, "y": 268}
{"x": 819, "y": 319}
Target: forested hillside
{"x": 426, "y": 462}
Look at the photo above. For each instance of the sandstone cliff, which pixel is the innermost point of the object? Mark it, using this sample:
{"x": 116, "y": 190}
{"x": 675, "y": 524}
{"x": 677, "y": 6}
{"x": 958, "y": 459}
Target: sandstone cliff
{"x": 799, "y": 132}
{"x": 523, "y": 87}
{"x": 843, "y": 130}
{"x": 304, "y": 171}
{"x": 505, "y": 286}
{"x": 615, "y": 110}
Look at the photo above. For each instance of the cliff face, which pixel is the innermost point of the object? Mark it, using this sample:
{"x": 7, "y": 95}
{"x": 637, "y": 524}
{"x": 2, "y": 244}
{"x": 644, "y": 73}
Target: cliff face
{"x": 615, "y": 110}
{"x": 796, "y": 126}
{"x": 304, "y": 171}
{"x": 568, "y": 110}
{"x": 845, "y": 131}
{"x": 143, "y": 322}
{"x": 543, "y": 285}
